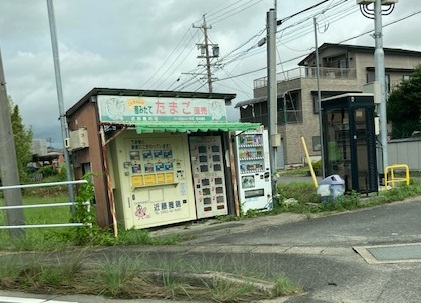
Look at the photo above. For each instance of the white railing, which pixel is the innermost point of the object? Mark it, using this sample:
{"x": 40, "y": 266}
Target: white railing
{"x": 86, "y": 203}
{"x": 309, "y": 72}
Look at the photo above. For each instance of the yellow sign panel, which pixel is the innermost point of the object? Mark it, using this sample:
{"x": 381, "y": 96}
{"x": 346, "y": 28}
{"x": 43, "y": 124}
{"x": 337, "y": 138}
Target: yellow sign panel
{"x": 160, "y": 178}
{"x": 150, "y": 179}
{"x": 137, "y": 180}
{"x": 169, "y": 177}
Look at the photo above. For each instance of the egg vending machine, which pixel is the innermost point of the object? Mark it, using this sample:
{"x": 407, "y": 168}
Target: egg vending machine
{"x": 208, "y": 176}
{"x": 156, "y": 186}
{"x": 253, "y": 170}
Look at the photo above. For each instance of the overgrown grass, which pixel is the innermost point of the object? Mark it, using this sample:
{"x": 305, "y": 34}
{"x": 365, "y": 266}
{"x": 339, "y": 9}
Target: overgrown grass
{"x": 142, "y": 276}
{"x": 308, "y": 201}
{"x": 294, "y": 172}
{"x": 58, "y": 239}
{"x": 130, "y": 277}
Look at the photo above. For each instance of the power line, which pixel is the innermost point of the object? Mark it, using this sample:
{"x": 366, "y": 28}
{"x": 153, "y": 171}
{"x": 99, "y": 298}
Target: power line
{"x": 216, "y": 20}
{"x": 385, "y": 25}
{"x": 254, "y": 50}
{"x": 298, "y": 57}
{"x": 166, "y": 71}
{"x": 241, "y": 45}
{"x": 170, "y": 55}
{"x": 239, "y": 87}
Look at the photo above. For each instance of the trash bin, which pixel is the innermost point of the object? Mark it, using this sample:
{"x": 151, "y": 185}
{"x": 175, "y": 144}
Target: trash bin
{"x": 331, "y": 187}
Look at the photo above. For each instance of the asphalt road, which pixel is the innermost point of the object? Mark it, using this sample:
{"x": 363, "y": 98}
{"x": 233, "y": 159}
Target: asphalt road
{"x": 317, "y": 253}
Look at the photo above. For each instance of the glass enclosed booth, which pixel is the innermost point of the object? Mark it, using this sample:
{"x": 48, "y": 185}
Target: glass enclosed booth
{"x": 349, "y": 140}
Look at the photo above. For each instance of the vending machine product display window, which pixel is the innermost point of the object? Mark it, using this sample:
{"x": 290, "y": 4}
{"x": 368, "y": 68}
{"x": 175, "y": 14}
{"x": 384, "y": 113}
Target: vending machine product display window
{"x": 254, "y": 182}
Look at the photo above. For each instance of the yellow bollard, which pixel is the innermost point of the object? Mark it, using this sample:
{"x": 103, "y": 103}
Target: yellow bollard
{"x": 310, "y": 166}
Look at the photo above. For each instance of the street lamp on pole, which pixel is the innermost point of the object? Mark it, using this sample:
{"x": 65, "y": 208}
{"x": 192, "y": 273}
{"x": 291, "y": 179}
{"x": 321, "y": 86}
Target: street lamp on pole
{"x": 380, "y": 76}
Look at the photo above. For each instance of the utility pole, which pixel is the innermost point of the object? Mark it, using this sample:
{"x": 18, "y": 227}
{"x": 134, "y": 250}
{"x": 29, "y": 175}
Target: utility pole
{"x": 319, "y": 95}
{"x": 381, "y": 77}
{"x": 50, "y": 140}
{"x": 52, "y": 22}
{"x": 8, "y": 162}
{"x": 272, "y": 86}
{"x": 204, "y": 49}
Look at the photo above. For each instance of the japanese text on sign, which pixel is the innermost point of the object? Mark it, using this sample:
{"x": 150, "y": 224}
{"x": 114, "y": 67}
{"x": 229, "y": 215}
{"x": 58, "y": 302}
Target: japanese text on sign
{"x": 132, "y": 109}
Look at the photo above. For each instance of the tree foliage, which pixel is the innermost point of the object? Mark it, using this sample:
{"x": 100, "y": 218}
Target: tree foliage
{"x": 404, "y": 106}
{"x": 23, "y": 141}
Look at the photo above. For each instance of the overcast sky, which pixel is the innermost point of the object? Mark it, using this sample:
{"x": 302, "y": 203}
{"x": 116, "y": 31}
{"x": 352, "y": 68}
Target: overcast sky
{"x": 143, "y": 44}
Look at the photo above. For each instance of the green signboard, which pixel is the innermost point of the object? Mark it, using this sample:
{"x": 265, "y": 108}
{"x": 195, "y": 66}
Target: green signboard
{"x": 126, "y": 109}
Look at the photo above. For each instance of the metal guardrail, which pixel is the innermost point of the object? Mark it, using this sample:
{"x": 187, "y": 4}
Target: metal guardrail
{"x": 86, "y": 203}
{"x": 394, "y": 179}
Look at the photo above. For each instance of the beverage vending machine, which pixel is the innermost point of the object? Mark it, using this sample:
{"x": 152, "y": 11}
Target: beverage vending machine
{"x": 253, "y": 170}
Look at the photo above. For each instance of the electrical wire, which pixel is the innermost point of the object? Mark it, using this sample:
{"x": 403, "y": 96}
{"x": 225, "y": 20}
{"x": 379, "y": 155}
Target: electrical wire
{"x": 166, "y": 71}
{"x": 385, "y": 25}
{"x": 211, "y": 13}
{"x": 217, "y": 20}
{"x": 165, "y": 61}
{"x": 187, "y": 83}
{"x": 219, "y": 15}
{"x": 292, "y": 34}
{"x": 232, "y": 56}
{"x": 299, "y": 57}
{"x": 238, "y": 86}
{"x": 241, "y": 45}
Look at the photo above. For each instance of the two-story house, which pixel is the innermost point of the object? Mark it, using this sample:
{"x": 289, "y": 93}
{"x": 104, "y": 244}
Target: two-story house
{"x": 343, "y": 69}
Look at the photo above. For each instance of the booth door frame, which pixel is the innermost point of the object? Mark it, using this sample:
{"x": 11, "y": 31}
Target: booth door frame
{"x": 371, "y": 176}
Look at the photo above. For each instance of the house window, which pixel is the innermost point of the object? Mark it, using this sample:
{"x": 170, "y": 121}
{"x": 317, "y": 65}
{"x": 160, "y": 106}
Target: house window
{"x": 316, "y": 108}
{"x": 289, "y": 110}
{"x": 371, "y": 76}
{"x": 406, "y": 77}
{"x": 316, "y": 143}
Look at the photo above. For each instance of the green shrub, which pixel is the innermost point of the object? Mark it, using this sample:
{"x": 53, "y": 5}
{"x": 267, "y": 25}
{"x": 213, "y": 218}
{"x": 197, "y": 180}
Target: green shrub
{"x": 303, "y": 192}
{"x": 47, "y": 171}
{"x": 317, "y": 164}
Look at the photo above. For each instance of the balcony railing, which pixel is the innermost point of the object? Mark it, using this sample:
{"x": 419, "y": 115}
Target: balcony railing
{"x": 288, "y": 117}
{"x": 309, "y": 72}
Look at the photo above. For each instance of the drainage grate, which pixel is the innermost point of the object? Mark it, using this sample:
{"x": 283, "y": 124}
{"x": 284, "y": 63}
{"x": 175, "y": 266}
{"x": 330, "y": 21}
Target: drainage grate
{"x": 391, "y": 253}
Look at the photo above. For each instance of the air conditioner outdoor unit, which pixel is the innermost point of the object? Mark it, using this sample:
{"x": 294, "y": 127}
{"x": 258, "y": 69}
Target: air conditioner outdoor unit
{"x": 79, "y": 139}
